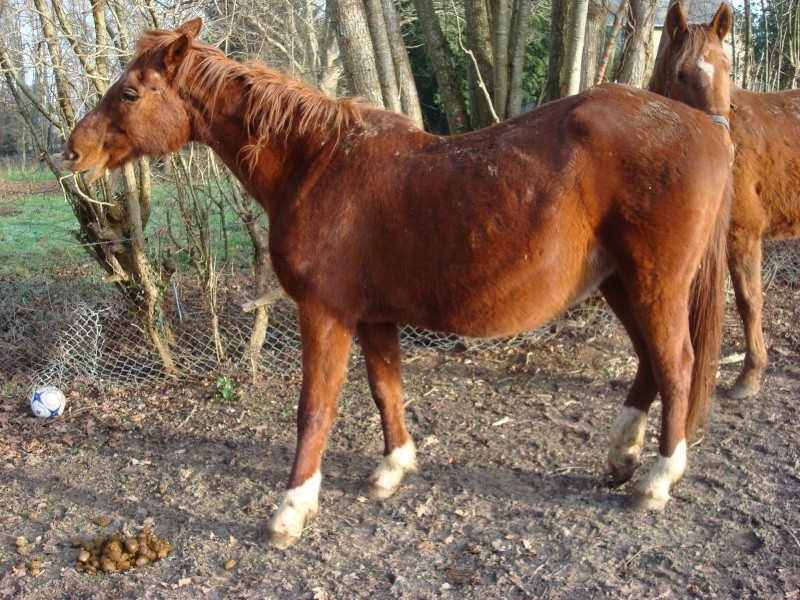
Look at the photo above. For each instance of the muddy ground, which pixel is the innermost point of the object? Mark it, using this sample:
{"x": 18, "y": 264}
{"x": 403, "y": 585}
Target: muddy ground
{"x": 511, "y": 500}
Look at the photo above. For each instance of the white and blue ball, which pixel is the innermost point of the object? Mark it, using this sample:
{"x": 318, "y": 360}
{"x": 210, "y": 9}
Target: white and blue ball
{"x": 48, "y": 402}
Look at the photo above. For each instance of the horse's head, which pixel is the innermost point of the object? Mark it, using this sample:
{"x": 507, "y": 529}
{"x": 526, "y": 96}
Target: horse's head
{"x": 694, "y": 67}
{"x": 142, "y": 113}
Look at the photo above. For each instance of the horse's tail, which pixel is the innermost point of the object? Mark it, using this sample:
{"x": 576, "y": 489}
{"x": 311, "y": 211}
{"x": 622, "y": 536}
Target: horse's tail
{"x": 707, "y": 307}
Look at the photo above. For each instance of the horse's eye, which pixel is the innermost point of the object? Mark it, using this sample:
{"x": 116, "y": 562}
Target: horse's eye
{"x": 129, "y": 95}
{"x": 681, "y": 76}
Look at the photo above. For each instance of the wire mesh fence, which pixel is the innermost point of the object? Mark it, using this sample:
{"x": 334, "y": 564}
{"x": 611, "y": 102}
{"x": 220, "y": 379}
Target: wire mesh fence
{"x": 51, "y": 335}
{"x": 54, "y": 334}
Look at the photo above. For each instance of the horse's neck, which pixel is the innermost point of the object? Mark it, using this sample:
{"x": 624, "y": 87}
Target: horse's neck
{"x": 265, "y": 167}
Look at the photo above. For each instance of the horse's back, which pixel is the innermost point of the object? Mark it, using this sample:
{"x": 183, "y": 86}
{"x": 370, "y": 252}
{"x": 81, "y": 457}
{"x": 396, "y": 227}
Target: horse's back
{"x": 766, "y": 133}
{"x": 497, "y": 231}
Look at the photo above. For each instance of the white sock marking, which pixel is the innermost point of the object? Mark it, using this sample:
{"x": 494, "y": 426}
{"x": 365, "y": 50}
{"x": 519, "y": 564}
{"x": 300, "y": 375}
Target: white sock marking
{"x": 389, "y": 473}
{"x": 298, "y": 507}
{"x": 664, "y": 473}
{"x": 627, "y": 437}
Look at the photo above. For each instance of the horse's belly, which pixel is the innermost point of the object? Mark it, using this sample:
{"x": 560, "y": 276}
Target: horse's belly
{"x": 500, "y": 308}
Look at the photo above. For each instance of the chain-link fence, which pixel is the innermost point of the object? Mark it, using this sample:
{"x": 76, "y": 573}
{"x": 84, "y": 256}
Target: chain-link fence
{"x": 52, "y": 334}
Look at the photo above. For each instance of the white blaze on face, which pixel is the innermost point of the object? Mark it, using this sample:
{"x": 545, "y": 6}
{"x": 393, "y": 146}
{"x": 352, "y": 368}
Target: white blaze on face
{"x": 706, "y": 67}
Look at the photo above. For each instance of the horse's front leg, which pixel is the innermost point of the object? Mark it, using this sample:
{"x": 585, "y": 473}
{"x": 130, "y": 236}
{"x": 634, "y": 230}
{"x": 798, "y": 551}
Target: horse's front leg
{"x": 325, "y": 349}
{"x": 381, "y": 347}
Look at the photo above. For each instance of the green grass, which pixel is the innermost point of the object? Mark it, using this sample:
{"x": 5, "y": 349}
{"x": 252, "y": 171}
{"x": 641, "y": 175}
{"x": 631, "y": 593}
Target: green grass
{"x": 32, "y": 175}
{"x": 37, "y": 234}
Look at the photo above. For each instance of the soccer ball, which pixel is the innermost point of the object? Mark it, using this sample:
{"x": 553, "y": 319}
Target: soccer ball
{"x": 48, "y": 402}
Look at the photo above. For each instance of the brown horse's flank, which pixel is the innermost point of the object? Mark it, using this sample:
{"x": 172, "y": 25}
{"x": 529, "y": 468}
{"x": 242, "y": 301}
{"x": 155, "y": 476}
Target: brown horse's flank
{"x": 374, "y": 223}
{"x": 765, "y": 130}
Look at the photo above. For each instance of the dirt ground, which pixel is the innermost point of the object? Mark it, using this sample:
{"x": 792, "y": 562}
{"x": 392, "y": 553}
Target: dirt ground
{"x": 511, "y": 500}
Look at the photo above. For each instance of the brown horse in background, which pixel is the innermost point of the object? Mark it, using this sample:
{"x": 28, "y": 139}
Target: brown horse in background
{"x": 765, "y": 129}
{"x": 373, "y": 222}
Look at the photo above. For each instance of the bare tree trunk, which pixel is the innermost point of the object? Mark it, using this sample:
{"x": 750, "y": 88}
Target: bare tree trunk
{"x": 442, "y": 61}
{"x": 383, "y": 55}
{"x": 409, "y": 98}
{"x": 790, "y": 68}
{"x": 501, "y": 27}
{"x": 593, "y": 45}
{"x": 560, "y": 15}
{"x": 574, "y": 49}
{"x": 637, "y": 48}
{"x": 748, "y": 45}
{"x": 358, "y": 53}
{"x": 479, "y": 41}
{"x": 608, "y": 55}
{"x": 522, "y": 19}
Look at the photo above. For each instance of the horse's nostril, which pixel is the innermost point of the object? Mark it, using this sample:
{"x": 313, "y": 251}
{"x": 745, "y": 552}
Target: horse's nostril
{"x": 70, "y": 155}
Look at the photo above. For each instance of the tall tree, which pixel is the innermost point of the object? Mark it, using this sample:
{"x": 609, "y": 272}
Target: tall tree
{"x": 481, "y": 71}
{"x": 560, "y": 19}
{"x": 358, "y": 53}
{"x": 409, "y": 98}
{"x": 521, "y": 26}
{"x": 748, "y": 44}
{"x": 574, "y": 47}
{"x": 636, "y": 51}
{"x": 442, "y": 61}
{"x": 594, "y": 43}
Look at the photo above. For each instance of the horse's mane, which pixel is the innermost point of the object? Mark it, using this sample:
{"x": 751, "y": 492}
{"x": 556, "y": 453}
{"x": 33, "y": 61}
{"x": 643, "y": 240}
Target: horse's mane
{"x": 688, "y": 43}
{"x": 274, "y": 103}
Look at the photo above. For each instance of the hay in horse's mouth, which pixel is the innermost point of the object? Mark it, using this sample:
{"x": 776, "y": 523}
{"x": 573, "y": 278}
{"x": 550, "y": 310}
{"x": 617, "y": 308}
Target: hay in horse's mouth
{"x": 91, "y": 173}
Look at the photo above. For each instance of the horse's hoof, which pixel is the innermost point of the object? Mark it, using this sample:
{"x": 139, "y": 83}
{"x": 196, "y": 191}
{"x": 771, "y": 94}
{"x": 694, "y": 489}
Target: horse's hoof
{"x": 649, "y": 503}
{"x": 622, "y": 474}
{"x": 281, "y": 540}
{"x": 623, "y": 464}
{"x": 378, "y": 492}
{"x": 741, "y": 391}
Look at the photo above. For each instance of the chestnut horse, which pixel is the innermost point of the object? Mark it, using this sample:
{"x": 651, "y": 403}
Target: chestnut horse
{"x": 765, "y": 129}
{"x": 373, "y": 222}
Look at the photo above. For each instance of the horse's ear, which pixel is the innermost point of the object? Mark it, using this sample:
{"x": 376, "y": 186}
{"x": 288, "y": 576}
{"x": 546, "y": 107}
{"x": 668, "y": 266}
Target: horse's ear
{"x": 191, "y": 28}
{"x": 675, "y": 21}
{"x": 722, "y": 21}
{"x": 176, "y": 53}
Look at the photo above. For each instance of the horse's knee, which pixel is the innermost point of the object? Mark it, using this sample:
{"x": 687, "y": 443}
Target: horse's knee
{"x": 386, "y": 478}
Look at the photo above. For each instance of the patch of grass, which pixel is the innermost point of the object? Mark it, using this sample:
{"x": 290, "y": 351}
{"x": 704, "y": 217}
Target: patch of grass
{"x": 32, "y": 175}
{"x": 36, "y": 236}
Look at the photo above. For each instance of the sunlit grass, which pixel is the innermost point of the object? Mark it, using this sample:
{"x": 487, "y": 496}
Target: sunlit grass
{"x": 37, "y": 234}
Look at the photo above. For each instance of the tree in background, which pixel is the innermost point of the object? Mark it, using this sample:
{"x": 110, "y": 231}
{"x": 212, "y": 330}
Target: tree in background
{"x": 636, "y": 51}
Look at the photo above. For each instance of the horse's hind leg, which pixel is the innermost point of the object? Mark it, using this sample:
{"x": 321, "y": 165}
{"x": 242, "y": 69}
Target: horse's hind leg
{"x": 325, "y": 349}
{"x": 664, "y": 324}
{"x": 744, "y": 263}
{"x": 628, "y": 430}
{"x": 381, "y": 347}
